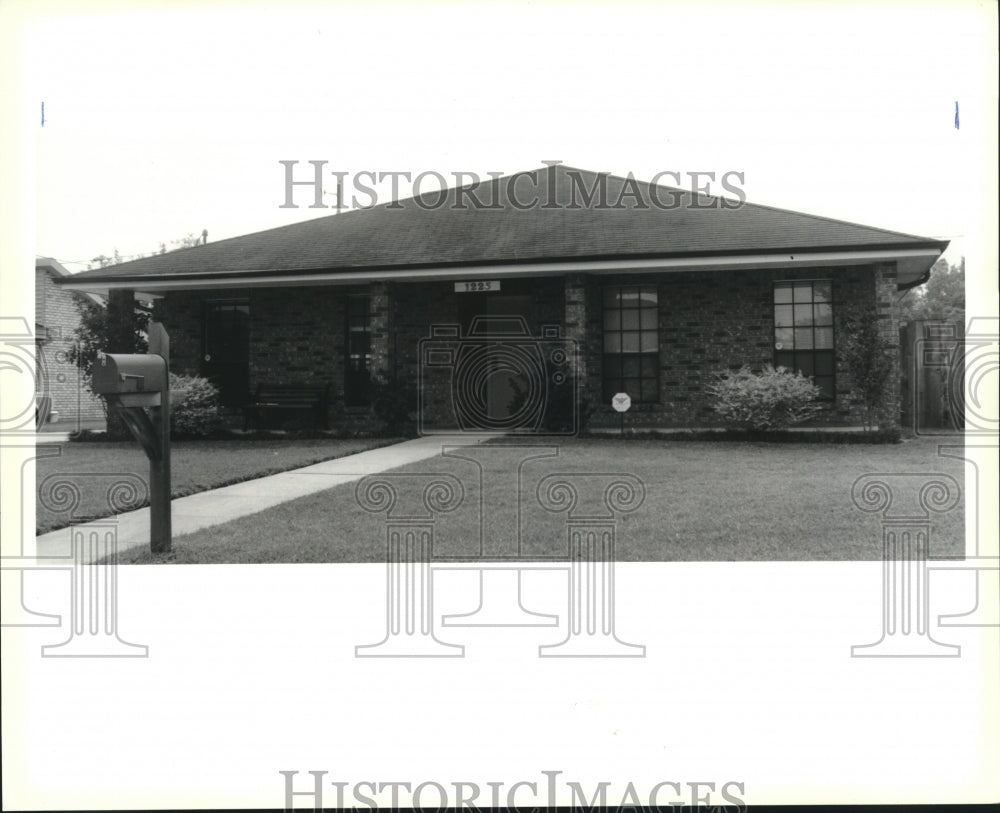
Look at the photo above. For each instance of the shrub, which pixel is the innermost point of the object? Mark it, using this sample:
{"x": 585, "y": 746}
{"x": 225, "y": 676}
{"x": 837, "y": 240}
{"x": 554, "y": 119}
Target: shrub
{"x": 771, "y": 399}
{"x": 195, "y": 410}
{"x": 871, "y": 361}
{"x": 102, "y": 328}
{"x": 395, "y": 405}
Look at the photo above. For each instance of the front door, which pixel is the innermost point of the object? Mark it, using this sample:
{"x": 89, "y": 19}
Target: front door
{"x": 501, "y": 386}
{"x": 226, "y": 351}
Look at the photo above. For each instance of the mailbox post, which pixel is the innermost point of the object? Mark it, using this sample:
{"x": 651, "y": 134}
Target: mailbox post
{"x": 132, "y": 384}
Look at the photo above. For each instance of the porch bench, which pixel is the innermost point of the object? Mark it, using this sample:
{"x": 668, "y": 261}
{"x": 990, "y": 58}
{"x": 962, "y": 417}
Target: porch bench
{"x": 310, "y": 399}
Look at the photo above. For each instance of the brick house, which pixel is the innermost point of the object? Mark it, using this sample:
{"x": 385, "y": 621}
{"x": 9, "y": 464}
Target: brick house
{"x": 489, "y": 297}
{"x": 56, "y": 318}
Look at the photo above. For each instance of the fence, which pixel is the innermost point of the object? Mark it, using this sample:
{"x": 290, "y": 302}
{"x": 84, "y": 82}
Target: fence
{"x": 933, "y": 375}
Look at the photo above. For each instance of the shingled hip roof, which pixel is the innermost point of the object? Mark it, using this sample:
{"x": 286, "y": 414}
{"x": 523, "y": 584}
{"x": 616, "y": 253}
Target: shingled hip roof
{"x": 551, "y": 218}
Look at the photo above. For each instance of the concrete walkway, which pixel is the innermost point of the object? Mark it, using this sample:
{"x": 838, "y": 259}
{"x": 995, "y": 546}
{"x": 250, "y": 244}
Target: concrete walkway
{"x": 60, "y": 432}
{"x": 221, "y": 505}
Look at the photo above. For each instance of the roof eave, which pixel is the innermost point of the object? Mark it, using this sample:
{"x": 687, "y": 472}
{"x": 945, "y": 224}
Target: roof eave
{"x": 916, "y": 259}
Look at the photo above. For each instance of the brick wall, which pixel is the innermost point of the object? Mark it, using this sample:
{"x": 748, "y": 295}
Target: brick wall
{"x": 711, "y": 321}
{"x": 708, "y": 321}
{"x": 297, "y": 336}
{"x": 56, "y": 311}
{"x": 885, "y": 281}
{"x": 416, "y": 308}
{"x": 181, "y": 315}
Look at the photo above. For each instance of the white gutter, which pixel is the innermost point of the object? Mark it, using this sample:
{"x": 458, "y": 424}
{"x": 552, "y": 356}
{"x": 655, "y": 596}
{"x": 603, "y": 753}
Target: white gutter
{"x": 249, "y": 279}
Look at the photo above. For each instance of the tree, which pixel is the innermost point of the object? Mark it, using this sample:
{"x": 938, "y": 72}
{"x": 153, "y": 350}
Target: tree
{"x": 118, "y": 328}
{"x": 941, "y": 297}
{"x": 870, "y": 360}
{"x": 189, "y": 240}
{"x": 101, "y": 330}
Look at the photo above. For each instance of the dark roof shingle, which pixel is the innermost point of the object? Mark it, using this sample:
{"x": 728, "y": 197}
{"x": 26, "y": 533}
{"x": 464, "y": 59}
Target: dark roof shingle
{"x": 416, "y": 232}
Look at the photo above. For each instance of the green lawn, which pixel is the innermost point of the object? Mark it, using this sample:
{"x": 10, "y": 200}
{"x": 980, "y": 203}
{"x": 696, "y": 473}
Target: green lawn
{"x": 195, "y": 466}
{"x": 721, "y": 501}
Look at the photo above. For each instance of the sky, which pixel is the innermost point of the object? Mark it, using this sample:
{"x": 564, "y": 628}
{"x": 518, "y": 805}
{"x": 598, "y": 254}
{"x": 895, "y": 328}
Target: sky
{"x": 161, "y": 121}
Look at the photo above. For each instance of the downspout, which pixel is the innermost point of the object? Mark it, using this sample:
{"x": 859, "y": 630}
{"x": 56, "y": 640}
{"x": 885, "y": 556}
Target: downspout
{"x": 906, "y": 287}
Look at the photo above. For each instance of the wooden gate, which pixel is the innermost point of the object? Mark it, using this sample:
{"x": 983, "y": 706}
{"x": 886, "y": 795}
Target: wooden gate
{"x": 932, "y": 380}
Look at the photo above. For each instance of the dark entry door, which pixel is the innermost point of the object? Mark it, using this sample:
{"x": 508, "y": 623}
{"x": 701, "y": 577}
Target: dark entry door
{"x": 501, "y": 384}
{"x": 226, "y": 352}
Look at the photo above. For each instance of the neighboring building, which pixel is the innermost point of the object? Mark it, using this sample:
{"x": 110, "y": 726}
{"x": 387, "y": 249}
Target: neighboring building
{"x": 56, "y": 319}
{"x": 640, "y": 289}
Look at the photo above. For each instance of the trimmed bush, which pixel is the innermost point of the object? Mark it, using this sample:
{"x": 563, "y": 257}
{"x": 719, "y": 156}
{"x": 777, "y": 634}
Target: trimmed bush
{"x": 194, "y": 406}
{"x": 771, "y": 399}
